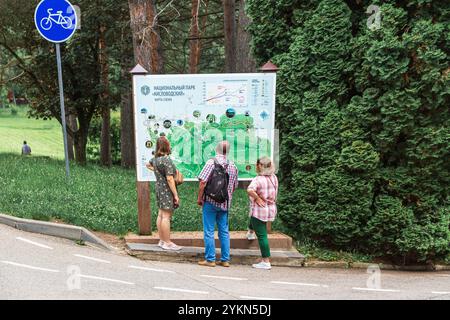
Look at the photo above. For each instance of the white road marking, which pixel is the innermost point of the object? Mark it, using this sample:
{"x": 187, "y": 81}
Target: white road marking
{"x": 29, "y": 267}
{"x": 300, "y": 284}
{"x": 373, "y": 289}
{"x": 226, "y": 278}
{"x": 34, "y": 243}
{"x": 181, "y": 290}
{"x": 443, "y": 275}
{"x": 150, "y": 269}
{"x": 440, "y": 292}
{"x": 90, "y": 258}
{"x": 105, "y": 279}
{"x": 258, "y": 298}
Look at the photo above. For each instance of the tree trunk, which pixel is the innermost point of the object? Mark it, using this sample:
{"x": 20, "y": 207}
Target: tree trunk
{"x": 105, "y": 141}
{"x": 194, "y": 52}
{"x": 146, "y": 39}
{"x": 72, "y": 124}
{"x": 148, "y": 53}
{"x": 229, "y": 10}
{"x": 127, "y": 143}
{"x": 80, "y": 141}
{"x": 155, "y": 42}
{"x": 244, "y": 59}
{"x": 70, "y": 152}
{"x": 105, "y": 144}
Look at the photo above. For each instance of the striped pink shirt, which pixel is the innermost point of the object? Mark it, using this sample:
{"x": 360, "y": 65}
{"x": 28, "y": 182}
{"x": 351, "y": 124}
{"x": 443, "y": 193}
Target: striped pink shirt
{"x": 267, "y": 188}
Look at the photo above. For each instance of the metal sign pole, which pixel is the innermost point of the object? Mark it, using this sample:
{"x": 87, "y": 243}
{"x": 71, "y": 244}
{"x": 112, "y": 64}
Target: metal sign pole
{"x": 63, "y": 111}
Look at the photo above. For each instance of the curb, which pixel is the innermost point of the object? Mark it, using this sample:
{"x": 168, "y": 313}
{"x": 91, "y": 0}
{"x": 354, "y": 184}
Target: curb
{"x": 279, "y": 258}
{"x": 288, "y": 258}
{"x": 55, "y": 230}
{"x": 381, "y": 266}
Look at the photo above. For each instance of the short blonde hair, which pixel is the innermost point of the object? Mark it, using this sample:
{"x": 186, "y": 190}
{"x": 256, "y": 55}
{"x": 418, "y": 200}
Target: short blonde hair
{"x": 266, "y": 165}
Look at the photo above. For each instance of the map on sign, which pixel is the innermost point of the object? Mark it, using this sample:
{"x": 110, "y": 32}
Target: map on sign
{"x": 227, "y": 94}
{"x": 195, "y": 112}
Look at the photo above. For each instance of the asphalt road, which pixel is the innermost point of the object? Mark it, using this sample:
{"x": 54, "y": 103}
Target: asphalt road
{"x": 34, "y": 266}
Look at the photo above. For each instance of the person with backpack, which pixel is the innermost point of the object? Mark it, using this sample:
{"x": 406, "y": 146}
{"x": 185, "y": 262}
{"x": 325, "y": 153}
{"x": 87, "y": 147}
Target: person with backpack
{"x": 262, "y": 192}
{"x": 218, "y": 180}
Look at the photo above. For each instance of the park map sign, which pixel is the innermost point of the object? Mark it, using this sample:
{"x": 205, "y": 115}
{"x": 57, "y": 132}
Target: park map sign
{"x": 197, "y": 111}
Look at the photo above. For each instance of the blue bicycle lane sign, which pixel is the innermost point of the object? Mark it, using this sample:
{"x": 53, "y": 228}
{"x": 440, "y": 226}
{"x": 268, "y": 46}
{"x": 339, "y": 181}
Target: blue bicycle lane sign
{"x": 56, "y": 20}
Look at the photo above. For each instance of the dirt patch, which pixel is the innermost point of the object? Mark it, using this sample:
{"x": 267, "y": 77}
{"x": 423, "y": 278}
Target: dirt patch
{"x": 113, "y": 240}
{"x": 60, "y": 221}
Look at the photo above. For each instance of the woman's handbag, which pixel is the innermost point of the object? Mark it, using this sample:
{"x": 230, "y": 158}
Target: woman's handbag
{"x": 179, "y": 179}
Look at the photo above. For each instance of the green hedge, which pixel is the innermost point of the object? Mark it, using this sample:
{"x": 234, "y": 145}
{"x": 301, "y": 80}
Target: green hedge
{"x": 364, "y": 122}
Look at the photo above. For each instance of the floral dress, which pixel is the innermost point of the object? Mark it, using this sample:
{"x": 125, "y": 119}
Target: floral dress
{"x": 163, "y": 167}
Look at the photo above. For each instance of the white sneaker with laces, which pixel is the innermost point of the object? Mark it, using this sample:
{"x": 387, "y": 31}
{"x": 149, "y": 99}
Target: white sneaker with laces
{"x": 171, "y": 246}
{"x": 251, "y": 235}
{"x": 160, "y": 243}
{"x": 262, "y": 265}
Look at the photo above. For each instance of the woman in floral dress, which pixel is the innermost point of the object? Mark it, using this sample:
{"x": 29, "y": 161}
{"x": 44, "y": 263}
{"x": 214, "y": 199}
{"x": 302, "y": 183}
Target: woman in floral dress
{"x": 166, "y": 191}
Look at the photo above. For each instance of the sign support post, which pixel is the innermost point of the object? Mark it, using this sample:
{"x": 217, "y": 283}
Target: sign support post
{"x": 142, "y": 187}
{"x": 56, "y": 21}
{"x": 63, "y": 110}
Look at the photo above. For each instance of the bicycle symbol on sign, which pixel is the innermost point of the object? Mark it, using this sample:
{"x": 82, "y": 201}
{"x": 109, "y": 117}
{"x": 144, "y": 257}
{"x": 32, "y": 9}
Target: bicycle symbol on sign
{"x": 63, "y": 21}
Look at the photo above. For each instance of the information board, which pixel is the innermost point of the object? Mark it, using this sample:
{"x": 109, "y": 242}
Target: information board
{"x": 197, "y": 111}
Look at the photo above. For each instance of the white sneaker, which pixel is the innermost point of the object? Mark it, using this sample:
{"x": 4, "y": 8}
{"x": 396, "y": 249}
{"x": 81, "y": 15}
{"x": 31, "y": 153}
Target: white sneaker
{"x": 251, "y": 235}
{"x": 172, "y": 247}
{"x": 160, "y": 243}
{"x": 262, "y": 265}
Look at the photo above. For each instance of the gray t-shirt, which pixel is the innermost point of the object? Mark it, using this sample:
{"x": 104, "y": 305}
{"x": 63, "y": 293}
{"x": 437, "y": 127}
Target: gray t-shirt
{"x": 26, "y": 149}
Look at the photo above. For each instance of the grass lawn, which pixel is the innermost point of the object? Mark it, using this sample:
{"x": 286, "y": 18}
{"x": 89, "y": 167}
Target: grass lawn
{"x": 44, "y": 137}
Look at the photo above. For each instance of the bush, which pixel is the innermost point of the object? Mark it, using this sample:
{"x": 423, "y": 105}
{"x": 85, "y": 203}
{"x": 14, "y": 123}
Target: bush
{"x": 364, "y": 123}
{"x": 14, "y": 111}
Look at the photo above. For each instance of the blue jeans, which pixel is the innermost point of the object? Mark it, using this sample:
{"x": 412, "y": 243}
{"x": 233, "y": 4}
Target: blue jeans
{"x": 211, "y": 215}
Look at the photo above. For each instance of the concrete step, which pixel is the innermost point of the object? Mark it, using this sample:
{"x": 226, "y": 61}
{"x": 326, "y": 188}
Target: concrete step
{"x": 281, "y": 258}
{"x": 238, "y": 240}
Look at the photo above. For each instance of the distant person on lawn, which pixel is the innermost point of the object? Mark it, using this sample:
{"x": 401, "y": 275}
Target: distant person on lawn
{"x": 26, "y": 150}
{"x": 166, "y": 191}
{"x": 262, "y": 192}
{"x": 218, "y": 180}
